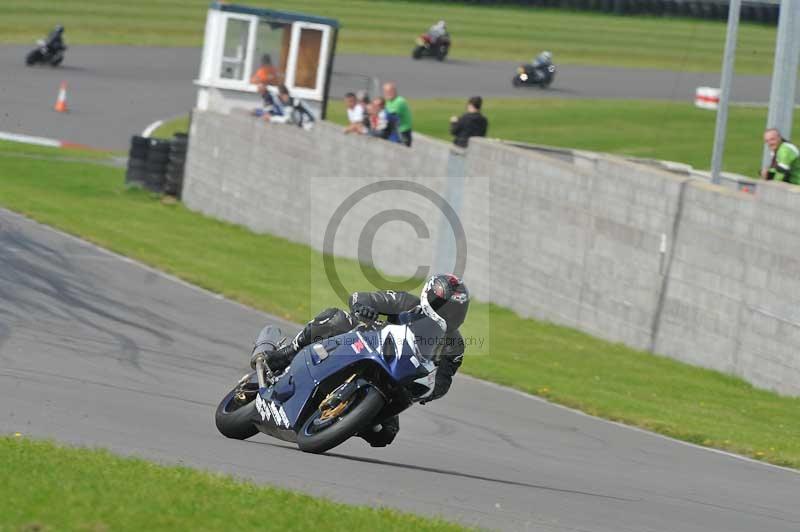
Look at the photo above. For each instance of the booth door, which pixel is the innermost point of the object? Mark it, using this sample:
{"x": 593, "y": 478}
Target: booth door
{"x": 308, "y": 59}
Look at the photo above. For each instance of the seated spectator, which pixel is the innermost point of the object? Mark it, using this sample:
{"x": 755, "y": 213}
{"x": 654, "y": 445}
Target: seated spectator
{"x": 380, "y": 123}
{"x": 785, "y": 165}
{"x": 267, "y": 100}
{"x": 288, "y": 110}
{"x": 471, "y": 124}
{"x": 355, "y": 114}
{"x": 266, "y": 74}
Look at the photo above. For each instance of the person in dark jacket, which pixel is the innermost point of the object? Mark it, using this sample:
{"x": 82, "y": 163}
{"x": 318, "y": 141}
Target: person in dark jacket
{"x": 444, "y": 299}
{"x": 471, "y": 124}
{"x": 55, "y": 40}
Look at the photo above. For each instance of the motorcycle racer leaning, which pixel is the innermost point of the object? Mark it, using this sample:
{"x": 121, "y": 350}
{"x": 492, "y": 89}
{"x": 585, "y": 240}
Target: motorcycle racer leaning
{"x": 55, "y": 40}
{"x": 437, "y": 31}
{"x": 444, "y": 298}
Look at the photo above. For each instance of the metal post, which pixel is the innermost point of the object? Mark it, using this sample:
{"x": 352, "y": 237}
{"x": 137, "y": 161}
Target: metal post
{"x": 784, "y": 72}
{"x": 725, "y": 89}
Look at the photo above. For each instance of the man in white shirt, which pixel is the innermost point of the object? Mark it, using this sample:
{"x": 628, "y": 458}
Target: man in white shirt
{"x": 355, "y": 114}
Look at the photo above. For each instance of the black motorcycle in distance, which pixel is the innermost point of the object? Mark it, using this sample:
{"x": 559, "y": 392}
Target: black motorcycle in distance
{"x": 541, "y": 75}
{"x": 48, "y": 51}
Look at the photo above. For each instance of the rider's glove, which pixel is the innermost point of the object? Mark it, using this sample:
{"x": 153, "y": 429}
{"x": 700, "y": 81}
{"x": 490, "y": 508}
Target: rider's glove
{"x": 365, "y": 312}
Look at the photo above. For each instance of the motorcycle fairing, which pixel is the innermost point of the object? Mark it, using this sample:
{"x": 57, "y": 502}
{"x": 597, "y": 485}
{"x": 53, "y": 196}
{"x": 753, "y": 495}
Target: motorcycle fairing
{"x": 279, "y": 406}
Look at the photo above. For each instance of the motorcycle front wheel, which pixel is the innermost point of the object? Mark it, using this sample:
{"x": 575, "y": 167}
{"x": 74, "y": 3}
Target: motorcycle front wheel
{"x": 234, "y": 419}
{"x": 417, "y": 53}
{"x": 322, "y": 432}
{"x": 57, "y": 59}
{"x": 33, "y": 57}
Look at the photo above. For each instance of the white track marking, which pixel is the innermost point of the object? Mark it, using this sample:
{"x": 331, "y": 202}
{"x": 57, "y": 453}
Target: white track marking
{"x": 629, "y": 427}
{"x": 29, "y": 139}
{"x": 152, "y": 127}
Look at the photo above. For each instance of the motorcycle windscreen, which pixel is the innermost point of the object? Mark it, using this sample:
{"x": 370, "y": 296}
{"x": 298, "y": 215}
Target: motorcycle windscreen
{"x": 430, "y": 338}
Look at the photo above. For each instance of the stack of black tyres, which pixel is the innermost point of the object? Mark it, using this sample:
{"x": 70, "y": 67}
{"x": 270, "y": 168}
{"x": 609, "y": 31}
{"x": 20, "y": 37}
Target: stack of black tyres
{"x": 177, "y": 160}
{"x": 156, "y": 165}
{"x": 136, "y": 173}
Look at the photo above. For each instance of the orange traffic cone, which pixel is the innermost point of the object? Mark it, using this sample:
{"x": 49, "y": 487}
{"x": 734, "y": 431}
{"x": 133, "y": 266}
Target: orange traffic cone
{"x": 61, "y": 101}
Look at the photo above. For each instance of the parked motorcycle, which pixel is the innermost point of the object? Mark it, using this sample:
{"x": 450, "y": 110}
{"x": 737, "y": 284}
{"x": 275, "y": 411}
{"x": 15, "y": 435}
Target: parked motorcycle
{"x": 337, "y": 387}
{"x": 431, "y": 47}
{"x": 48, "y": 51}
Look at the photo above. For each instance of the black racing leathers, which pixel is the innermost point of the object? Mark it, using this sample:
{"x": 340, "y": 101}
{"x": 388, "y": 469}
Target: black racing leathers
{"x": 391, "y": 304}
{"x": 333, "y": 321}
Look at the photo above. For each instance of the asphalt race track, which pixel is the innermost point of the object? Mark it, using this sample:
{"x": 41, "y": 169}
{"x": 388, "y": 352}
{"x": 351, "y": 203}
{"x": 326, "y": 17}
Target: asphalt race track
{"x": 115, "y": 92}
{"x": 97, "y": 350}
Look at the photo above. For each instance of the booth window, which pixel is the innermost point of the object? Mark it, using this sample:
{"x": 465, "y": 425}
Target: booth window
{"x": 308, "y": 56}
{"x": 272, "y": 38}
{"x": 234, "y": 53}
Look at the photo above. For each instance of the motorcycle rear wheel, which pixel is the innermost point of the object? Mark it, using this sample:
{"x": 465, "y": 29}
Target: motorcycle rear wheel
{"x": 369, "y": 404}
{"x": 235, "y": 421}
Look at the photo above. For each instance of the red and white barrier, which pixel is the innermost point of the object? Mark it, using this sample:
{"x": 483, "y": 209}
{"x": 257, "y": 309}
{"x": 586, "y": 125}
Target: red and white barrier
{"x": 707, "y": 98}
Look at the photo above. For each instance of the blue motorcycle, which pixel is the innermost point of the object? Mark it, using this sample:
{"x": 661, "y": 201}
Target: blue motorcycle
{"x": 337, "y": 387}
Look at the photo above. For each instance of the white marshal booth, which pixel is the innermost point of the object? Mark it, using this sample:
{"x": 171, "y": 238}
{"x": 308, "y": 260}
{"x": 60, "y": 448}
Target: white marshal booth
{"x": 301, "y": 48}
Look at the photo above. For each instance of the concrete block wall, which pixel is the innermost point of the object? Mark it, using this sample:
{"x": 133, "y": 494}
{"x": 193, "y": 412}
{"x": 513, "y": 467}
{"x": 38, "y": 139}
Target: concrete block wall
{"x": 286, "y": 181}
{"x": 627, "y": 252}
{"x": 733, "y": 296}
{"x": 584, "y": 242}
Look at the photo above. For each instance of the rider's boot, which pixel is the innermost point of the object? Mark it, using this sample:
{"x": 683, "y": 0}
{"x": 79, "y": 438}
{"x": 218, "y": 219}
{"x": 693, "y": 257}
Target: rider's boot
{"x": 383, "y": 433}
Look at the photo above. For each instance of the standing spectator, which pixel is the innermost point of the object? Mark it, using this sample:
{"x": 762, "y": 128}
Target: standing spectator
{"x": 266, "y": 74}
{"x": 363, "y": 98}
{"x": 355, "y": 114}
{"x": 785, "y": 163}
{"x": 398, "y": 106}
{"x": 471, "y": 124}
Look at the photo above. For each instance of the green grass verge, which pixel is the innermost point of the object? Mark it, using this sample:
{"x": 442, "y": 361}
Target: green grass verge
{"x": 561, "y": 364}
{"x": 389, "y": 27}
{"x": 166, "y": 130}
{"x": 51, "y": 487}
{"x": 675, "y": 131}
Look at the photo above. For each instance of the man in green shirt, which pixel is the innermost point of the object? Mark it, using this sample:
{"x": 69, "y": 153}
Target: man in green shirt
{"x": 785, "y": 164}
{"x": 398, "y": 106}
